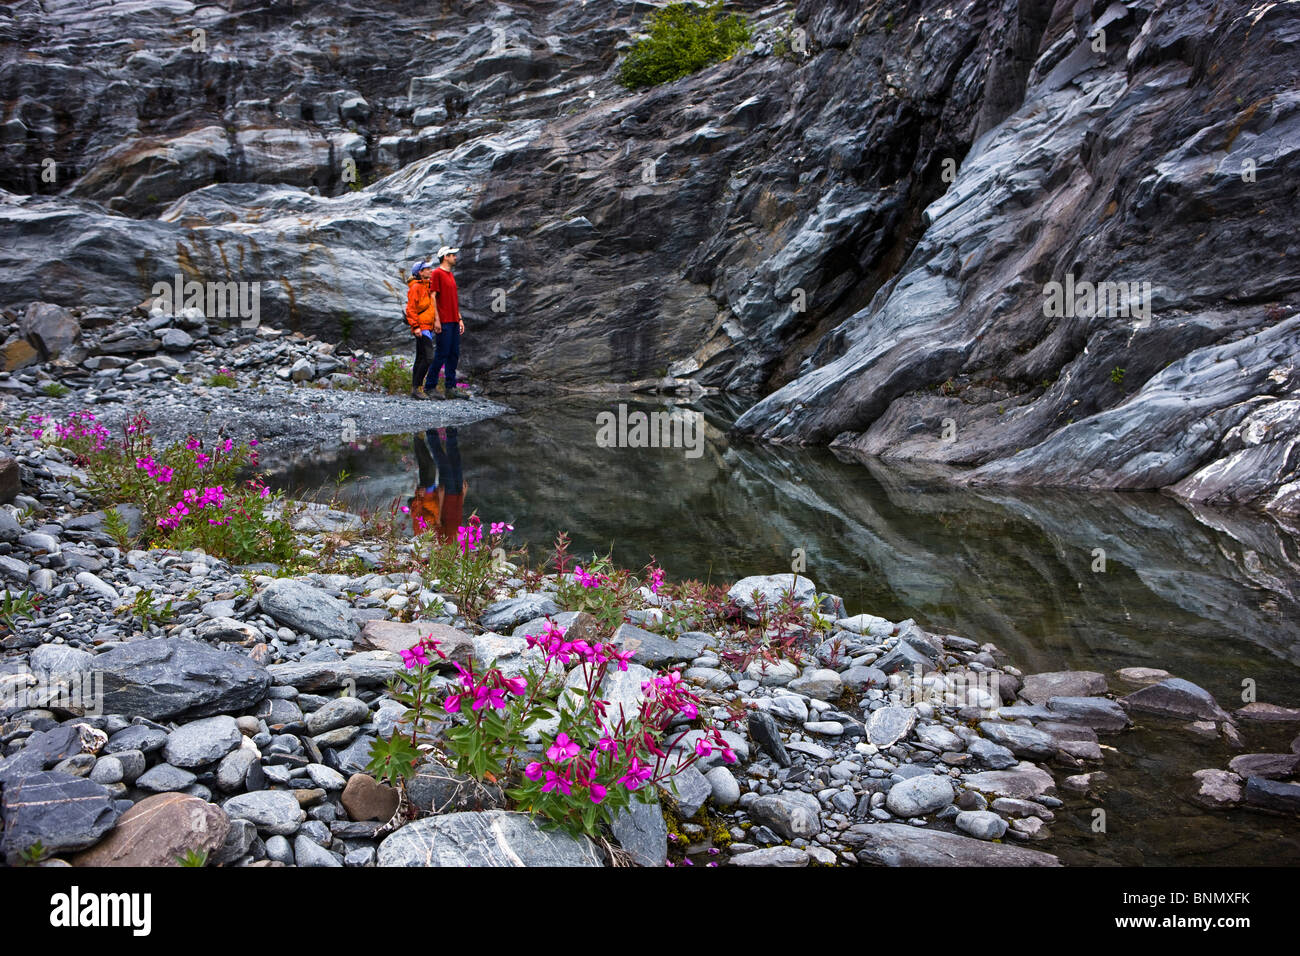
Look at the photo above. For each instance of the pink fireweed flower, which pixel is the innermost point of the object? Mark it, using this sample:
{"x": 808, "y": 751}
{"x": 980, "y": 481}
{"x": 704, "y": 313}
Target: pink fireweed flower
{"x": 466, "y": 676}
{"x": 193, "y": 444}
{"x": 555, "y": 781}
{"x": 563, "y": 748}
{"x": 636, "y": 775}
{"x": 533, "y": 771}
{"x": 489, "y": 697}
{"x": 201, "y": 460}
{"x": 452, "y": 704}
{"x": 702, "y": 748}
{"x": 516, "y": 685}
{"x": 228, "y": 445}
{"x": 598, "y": 792}
{"x": 415, "y": 656}
{"x": 656, "y": 580}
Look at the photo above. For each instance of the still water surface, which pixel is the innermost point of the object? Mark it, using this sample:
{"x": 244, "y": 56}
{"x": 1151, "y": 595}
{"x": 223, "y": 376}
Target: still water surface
{"x": 1207, "y": 595}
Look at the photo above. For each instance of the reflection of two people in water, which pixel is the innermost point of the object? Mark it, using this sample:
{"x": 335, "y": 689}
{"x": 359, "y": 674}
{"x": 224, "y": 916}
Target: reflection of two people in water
{"x": 439, "y": 501}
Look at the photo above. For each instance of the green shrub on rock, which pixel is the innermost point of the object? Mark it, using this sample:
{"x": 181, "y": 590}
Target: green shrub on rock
{"x": 683, "y": 38}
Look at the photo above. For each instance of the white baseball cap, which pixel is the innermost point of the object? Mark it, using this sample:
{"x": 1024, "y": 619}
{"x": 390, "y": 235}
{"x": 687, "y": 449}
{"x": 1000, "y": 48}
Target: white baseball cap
{"x": 445, "y": 251}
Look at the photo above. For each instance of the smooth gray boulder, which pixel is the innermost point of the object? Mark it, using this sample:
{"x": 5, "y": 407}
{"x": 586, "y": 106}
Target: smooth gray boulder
{"x": 299, "y": 605}
{"x": 491, "y": 838}
{"x": 917, "y": 796}
{"x": 202, "y": 742}
{"x": 897, "y": 844}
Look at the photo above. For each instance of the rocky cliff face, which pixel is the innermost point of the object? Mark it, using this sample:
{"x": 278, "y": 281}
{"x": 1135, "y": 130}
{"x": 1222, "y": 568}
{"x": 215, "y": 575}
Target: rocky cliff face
{"x": 863, "y": 225}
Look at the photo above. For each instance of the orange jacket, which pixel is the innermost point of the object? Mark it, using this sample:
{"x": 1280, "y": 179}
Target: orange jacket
{"x": 419, "y": 306}
{"x": 425, "y": 511}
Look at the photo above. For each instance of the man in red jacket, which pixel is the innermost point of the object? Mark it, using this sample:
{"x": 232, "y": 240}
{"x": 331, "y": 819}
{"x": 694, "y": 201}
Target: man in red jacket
{"x": 447, "y": 325}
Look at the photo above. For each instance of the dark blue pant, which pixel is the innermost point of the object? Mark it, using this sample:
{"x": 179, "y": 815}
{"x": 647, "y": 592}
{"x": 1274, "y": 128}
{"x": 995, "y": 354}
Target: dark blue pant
{"x": 450, "y": 474}
{"x": 446, "y": 353}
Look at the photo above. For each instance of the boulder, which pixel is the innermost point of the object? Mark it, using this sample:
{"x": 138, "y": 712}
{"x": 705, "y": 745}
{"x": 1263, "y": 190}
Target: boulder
{"x": 365, "y": 798}
{"x": 888, "y": 725}
{"x": 51, "y": 329}
{"x": 300, "y": 606}
{"x": 1175, "y": 697}
{"x": 791, "y": 813}
{"x": 1038, "y": 688}
{"x": 202, "y": 742}
{"x": 918, "y": 796}
{"x": 59, "y": 811}
{"x": 158, "y": 831}
{"x": 897, "y": 844}
{"x": 395, "y": 637}
{"x": 273, "y": 812}
{"x": 655, "y": 650}
{"x": 165, "y": 677}
{"x": 770, "y": 588}
{"x": 1217, "y": 789}
{"x": 641, "y": 831}
{"x": 505, "y": 615}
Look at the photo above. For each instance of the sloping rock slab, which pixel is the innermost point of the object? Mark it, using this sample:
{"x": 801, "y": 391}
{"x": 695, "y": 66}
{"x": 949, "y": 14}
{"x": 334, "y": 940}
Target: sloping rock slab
{"x": 897, "y": 844}
{"x": 491, "y": 838}
{"x": 1175, "y": 697}
{"x": 395, "y": 637}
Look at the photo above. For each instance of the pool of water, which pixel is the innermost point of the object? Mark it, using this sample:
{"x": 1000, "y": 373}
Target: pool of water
{"x": 1058, "y": 580}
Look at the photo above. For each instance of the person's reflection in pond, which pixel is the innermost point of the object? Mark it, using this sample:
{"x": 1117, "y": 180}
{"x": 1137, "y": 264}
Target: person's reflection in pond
{"x": 439, "y": 500}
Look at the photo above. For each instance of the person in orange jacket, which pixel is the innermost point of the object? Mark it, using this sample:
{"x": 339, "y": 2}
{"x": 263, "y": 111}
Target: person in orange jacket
{"x": 438, "y": 504}
{"x": 421, "y": 316}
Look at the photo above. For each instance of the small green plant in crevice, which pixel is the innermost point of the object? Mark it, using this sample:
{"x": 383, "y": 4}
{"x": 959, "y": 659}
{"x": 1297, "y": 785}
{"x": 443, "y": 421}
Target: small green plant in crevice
{"x": 682, "y": 38}
{"x": 116, "y": 527}
{"x": 16, "y": 604}
{"x": 33, "y": 855}
{"x": 145, "y": 609}
{"x": 193, "y": 858}
{"x": 1117, "y": 376}
{"x": 223, "y": 378}
{"x": 54, "y": 389}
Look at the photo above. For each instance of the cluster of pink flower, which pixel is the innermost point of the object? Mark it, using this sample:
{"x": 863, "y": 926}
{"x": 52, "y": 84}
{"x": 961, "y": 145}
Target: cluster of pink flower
{"x": 79, "y": 425}
{"x": 159, "y": 473}
{"x": 588, "y": 579}
{"x": 470, "y": 536}
{"x": 569, "y": 766}
{"x": 488, "y": 691}
{"x": 209, "y": 497}
{"x": 557, "y": 647}
{"x": 418, "y": 656}
{"x": 656, "y": 580}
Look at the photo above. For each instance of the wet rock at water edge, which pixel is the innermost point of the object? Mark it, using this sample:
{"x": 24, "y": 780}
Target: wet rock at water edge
{"x": 1217, "y": 789}
{"x": 1039, "y": 688}
{"x": 1175, "y": 697}
{"x": 897, "y": 844}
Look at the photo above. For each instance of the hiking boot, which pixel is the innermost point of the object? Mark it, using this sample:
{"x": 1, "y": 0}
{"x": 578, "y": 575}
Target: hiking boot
{"x": 459, "y": 393}
{"x": 418, "y": 393}
{"x": 432, "y": 392}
